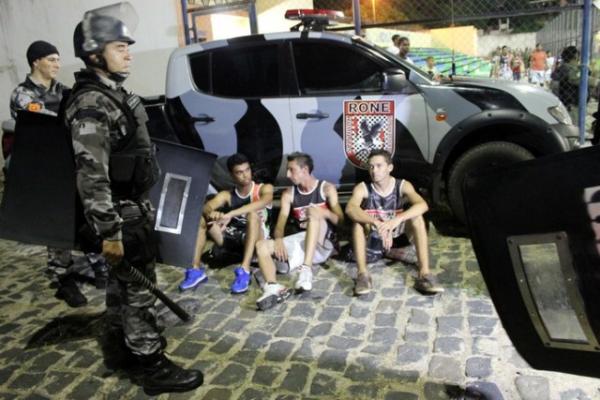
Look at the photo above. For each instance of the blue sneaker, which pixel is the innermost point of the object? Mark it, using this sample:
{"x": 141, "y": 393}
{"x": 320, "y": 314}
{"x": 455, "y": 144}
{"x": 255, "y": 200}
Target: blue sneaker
{"x": 241, "y": 282}
{"x": 193, "y": 277}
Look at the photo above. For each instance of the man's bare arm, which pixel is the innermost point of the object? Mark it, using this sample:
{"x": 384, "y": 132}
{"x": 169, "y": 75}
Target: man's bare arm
{"x": 334, "y": 213}
{"x": 280, "y": 251}
{"x": 266, "y": 198}
{"x": 354, "y": 210}
{"x": 210, "y": 207}
{"x": 418, "y": 207}
{"x": 284, "y": 212}
{"x": 418, "y": 204}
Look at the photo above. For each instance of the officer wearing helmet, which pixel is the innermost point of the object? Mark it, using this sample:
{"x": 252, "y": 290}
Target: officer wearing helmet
{"x": 115, "y": 168}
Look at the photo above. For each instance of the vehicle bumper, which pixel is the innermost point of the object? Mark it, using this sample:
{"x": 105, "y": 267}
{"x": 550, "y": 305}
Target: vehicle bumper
{"x": 570, "y": 133}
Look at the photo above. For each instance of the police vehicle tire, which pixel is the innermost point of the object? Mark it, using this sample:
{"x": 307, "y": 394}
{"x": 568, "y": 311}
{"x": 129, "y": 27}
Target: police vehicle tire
{"x": 480, "y": 157}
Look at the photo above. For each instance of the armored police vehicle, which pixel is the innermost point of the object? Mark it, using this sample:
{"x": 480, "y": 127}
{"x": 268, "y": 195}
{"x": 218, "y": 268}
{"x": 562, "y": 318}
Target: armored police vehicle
{"x": 338, "y": 97}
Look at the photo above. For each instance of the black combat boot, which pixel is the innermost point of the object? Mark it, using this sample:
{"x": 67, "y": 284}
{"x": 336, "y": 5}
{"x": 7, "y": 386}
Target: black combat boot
{"x": 116, "y": 353}
{"x": 69, "y": 292}
{"x": 162, "y": 376}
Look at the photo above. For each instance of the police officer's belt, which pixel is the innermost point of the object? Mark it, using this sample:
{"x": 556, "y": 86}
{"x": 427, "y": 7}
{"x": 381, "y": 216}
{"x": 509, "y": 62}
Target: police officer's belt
{"x": 129, "y": 210}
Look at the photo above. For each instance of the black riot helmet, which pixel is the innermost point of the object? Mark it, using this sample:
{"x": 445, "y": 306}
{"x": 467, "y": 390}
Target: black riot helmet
{"x": 95, "y": 31}
{"x": 100, "y": 27}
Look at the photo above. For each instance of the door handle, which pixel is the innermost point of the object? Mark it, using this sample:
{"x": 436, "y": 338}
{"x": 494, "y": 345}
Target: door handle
{"x": 316, "y": 115}
{"x": 203, "y": 118}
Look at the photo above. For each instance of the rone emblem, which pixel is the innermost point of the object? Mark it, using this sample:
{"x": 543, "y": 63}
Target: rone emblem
{"x": 368, "y": 125}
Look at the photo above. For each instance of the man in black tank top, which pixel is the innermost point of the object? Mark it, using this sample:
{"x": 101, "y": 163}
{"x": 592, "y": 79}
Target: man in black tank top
{"x": 315, "y": 210}
{"x": 234, "y": 219}
{"x": 379, "y": 211}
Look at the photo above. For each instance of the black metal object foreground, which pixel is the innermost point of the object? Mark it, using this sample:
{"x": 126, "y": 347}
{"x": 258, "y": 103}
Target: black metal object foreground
{"x": 134, "y": 275}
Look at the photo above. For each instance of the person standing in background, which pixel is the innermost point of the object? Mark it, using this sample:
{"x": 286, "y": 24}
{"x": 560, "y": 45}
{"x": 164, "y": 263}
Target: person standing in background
{"x": 568, "y": 74}
{"x": 538, "y": 66}
{"x": 41, "y": 92}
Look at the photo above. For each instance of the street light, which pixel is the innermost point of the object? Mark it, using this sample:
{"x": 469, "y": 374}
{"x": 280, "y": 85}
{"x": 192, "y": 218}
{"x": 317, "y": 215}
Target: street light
{"x": 373, "y": 11}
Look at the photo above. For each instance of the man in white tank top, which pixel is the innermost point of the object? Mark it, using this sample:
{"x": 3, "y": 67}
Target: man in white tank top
{"x": 380, "y": 211}
{"x": 315, "y": 211}
{"x": 234, "y": 219}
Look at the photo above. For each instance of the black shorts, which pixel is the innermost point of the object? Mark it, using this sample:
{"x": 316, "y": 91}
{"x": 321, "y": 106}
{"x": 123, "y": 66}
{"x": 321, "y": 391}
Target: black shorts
{"x": 375, "y": 250}
{"x": 234, "y": 238}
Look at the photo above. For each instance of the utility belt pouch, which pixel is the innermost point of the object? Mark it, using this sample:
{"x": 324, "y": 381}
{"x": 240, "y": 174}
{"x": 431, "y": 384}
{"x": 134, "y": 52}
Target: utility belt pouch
{"x": 147, "y": 172}
{"x": 132, "y": 212}
{"x": 122, "y": 168}
{"x": 133, "y": 174}
{"x": 139, "y": 237}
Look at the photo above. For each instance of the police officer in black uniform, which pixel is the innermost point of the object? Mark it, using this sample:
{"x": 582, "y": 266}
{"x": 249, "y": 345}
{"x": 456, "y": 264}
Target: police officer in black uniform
{"x": 116, "y": 167}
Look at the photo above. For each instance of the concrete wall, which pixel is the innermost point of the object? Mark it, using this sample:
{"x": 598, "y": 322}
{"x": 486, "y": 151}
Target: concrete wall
{"x": 383, "y": 37}
{"x": 24, "y": 21}
{"x": 464, "y": 39}
{"x": 228, "y": 25}
{"x": 271, "y": 14}
{"x": 461, "y": 38}
{"x": 489, "y": 43}
{"x": 236, "y": 23}
{"x": 158, "y": 33}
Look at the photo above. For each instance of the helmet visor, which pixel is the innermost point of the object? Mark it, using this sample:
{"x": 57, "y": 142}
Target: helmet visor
{"x": 122, "y": 11}
{"x": 107, "y": 24}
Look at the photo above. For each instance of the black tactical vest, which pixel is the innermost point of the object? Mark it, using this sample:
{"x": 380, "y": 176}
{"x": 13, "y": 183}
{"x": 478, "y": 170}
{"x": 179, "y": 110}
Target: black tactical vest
{"x": 133, "y": 167}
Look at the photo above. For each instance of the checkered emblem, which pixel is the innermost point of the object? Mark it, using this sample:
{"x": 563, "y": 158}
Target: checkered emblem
{"x": 368, "y": 125}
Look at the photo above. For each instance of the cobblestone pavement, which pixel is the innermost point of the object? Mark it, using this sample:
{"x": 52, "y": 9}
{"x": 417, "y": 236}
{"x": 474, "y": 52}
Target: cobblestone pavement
{"x": 392, "y": 344}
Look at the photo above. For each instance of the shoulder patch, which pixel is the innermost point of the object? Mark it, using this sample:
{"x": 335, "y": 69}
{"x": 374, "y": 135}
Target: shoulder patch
{"x": 87, "y": 128}
{"x": 34, "y": 107}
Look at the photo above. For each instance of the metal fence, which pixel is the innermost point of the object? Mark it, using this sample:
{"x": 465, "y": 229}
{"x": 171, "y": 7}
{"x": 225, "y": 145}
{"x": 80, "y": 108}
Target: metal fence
{"x": 514, "y": 40}
{"x": 532, "y": 41}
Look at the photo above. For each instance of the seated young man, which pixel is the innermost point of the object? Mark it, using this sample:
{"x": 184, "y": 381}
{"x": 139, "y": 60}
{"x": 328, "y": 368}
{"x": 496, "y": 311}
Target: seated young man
{"x": 315, "y": 211}
{"x": 234, "y": 219}
{"x": 380, "y": 212}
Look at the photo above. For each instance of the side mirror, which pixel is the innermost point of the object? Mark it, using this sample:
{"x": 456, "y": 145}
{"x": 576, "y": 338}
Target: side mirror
{"x": 394, "y": 80}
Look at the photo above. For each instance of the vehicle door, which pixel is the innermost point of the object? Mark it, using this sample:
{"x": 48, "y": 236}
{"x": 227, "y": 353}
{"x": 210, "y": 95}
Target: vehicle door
{"x": 236, "y": 107}
{"x": 341, "y": 112}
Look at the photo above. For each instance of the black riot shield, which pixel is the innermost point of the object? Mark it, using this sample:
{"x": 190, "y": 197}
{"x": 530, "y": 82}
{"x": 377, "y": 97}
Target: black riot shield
{"x": 38, "y": 205}
{"x": 178, "y": 198}
{"x": 535, "y": 228}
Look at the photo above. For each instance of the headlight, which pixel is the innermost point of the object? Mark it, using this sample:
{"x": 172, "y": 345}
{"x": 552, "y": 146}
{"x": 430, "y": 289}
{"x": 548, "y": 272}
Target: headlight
{"x": 560, "y": 114}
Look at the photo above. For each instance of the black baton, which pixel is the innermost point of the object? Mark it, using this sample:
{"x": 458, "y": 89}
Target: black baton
{"x": 138, "y": 277}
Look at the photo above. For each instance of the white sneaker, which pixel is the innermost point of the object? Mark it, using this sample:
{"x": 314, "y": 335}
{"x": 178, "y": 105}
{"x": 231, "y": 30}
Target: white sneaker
{"x": 273, "y": 293}
{"x": 304, "y": 281}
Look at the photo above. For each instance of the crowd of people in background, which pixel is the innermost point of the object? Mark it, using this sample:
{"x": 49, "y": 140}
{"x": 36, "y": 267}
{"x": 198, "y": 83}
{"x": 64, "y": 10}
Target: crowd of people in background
{"x": 539, "y": 67}
{"x": 534, "y": 65}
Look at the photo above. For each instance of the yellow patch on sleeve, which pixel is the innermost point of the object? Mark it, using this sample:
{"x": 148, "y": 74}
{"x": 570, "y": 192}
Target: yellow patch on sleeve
{"x": 34, "y": 107}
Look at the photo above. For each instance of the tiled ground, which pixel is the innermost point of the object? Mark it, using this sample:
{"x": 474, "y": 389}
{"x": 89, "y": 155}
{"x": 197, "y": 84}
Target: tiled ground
{"x": 393, "y": 344}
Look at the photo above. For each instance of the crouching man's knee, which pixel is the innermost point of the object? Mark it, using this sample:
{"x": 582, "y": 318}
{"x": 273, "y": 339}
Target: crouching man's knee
{"x": 252, "y": 217}
{"x": 315, "y": 215}
{"x": 418, "y": 223}
{"x": 263, "y": 248}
